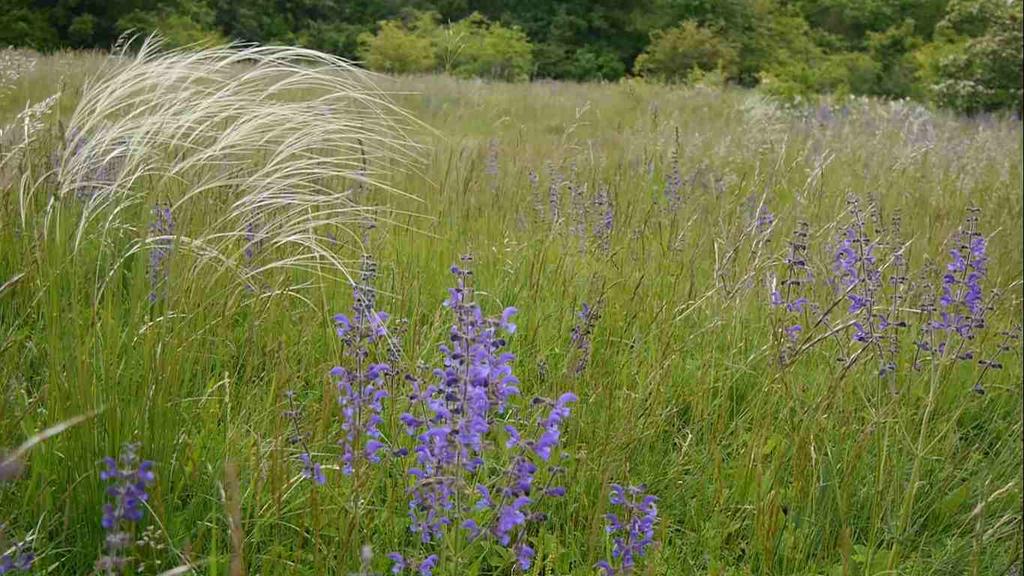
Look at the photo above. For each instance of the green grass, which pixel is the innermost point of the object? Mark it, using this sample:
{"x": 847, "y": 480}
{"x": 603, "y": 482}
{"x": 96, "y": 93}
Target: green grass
{"x": 759, "y": 469}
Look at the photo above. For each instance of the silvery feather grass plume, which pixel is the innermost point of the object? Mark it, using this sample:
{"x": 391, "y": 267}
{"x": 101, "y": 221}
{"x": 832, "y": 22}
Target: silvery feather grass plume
{"x": 225, "y": 139}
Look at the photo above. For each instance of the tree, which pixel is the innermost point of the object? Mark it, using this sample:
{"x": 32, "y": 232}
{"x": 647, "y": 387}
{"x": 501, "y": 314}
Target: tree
{"x": 674, "y": 54}
{"x": 398, "y": 49}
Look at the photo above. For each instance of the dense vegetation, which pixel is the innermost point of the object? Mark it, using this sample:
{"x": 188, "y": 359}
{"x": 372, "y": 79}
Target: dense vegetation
{"x": 962, "y": 54}
{"x": 797, "y": 327}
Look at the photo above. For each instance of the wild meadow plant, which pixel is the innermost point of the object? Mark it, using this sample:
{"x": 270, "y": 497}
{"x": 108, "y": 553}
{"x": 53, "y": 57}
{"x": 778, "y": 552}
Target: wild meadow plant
{"x": 631, "y": 528}
{"x": 868, "y": 303}
{"x": 15, "y": 557}
{"x": 128, "y": 479}
{"x": 483, "y": 467}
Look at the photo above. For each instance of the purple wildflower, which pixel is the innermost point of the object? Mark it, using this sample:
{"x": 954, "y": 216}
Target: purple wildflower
{"x": 587, "y": 317}
{"x": 127, "y": 479}
{"x": 462, "y": 421}
{"x": 962, "y": 301}
{"x": 606, "y": 213}
{"x": 361, "y": 400}
{"x": 14, "y": 558}
{"x": 674, "y": 182}
{"x": 360, "y": 388}
{"x": 554, "y": 195}
{"x": 310, "y": 470}
{"x": 400, "y": 564}
{"x": 631, "y": 528}
{"x": 160, "y": 230}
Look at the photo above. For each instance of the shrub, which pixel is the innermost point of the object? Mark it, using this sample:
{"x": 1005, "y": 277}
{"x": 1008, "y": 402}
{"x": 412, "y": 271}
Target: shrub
{"x": 399, "y": 48}
{"x": 595, "y": 63}
{"x": 975, "y": 64}
{"x": 896, "y": 68}
{"x": 474, "y": 46}
{"x": 22, "y": 26}
{"x": 191, "y": 26}
{"x": 673, "y": 54}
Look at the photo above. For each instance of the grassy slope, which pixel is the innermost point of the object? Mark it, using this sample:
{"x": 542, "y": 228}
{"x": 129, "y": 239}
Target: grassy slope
{"x": 758, "y": 472}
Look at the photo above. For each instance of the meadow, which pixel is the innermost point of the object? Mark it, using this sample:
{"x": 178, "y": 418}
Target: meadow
{"x": 797, "y": 327}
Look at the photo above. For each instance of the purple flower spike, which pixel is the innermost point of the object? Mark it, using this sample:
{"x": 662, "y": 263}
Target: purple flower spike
{"x": 631, "y": 530}
{"x": 476, "y": 461}
{"x": 127, "y": 480}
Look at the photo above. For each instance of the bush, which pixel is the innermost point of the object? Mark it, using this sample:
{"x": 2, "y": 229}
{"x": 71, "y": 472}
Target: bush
{"x": 474, "y": 46}
{"x": 471, "y": 47}
{"x": 191, "y": 25}
{"x": 839, "y": 74}
{"x": 892, "y": 51}
{"x": 22, "y": 26}
{"x": 595, "y": 63}
{"x": 673, "y": 54}
{"x": 975, "y": 64}
{"x": 399, "y": 48}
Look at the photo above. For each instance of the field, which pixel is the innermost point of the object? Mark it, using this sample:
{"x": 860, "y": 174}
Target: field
{"x": 746, "y": 298}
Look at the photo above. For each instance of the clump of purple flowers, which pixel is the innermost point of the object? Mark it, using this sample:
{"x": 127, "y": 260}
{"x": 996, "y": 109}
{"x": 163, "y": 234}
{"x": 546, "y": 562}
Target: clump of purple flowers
{"x": 360, "y": 388}
{"x": 476, "y": 466}
{"x": 161, "y": 230}
{"x": 127, "y": 479}
{"x": 872, "y": 296}
{"x": 16, "y": 557}
{"x": 310, "y": 470}
{"x": 605, "y": 224}
{"x": 631, "y": 528}
{"x": 400, "y": 564}
{"x": 360, "y": 398}
{"x": 586, "y": 319}
{"x": 951, "y": 324}
{"x": 674, "y": 181}
{"x": 787, "y": 294}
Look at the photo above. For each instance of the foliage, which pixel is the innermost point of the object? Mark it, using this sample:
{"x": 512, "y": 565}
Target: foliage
{"x": 474, "y": 46}
{"x": 975, "y": 64}
{"x": 191, "y": 24}
{"x": 398, "y": 48}
{"x": 471, "y": 47}
{"x": 676, "y": 53}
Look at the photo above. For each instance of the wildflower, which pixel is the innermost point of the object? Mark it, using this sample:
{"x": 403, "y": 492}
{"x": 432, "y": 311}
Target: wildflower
{"x": 456, "y": 428}
{"x": 554, "y": 195}
{"x": 631, "y": 528}
{"x": 580, "y": 337}
{"x": 674, "y": 182}
{"x": 14, "y": 558}
{"x": 161, "y": 229}
{"x": 310, "y": 470}
{"x": 962, "y": 303}
{"x": 604, "y": 209}
{"x": 127, "y": 479}
{"x": 787, "y": 294}
{"x": 491, "y": 165}
{"x": 360, "y": 389}
{"x": 361, "y": 400}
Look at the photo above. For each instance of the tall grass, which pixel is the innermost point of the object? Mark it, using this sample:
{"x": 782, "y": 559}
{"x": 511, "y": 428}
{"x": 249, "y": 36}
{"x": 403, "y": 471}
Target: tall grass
{"x": 760, "y": 468}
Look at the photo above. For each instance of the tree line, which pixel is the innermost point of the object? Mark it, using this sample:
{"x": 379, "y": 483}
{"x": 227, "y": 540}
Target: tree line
{"x": 961, "y": 54}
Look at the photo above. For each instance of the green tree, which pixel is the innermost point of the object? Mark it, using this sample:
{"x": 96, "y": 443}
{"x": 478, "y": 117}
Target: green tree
{"x": 675, "y": 53}
{"x": 22, "y": 25}
{"x": 975, "y": 64}
{"x": 474, "y": 46}
{"x": 398, "y": 48}
{"x": 190, "y": 22}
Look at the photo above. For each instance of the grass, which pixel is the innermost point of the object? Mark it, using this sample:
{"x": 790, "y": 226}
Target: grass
{"x": 760, "y": 469}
